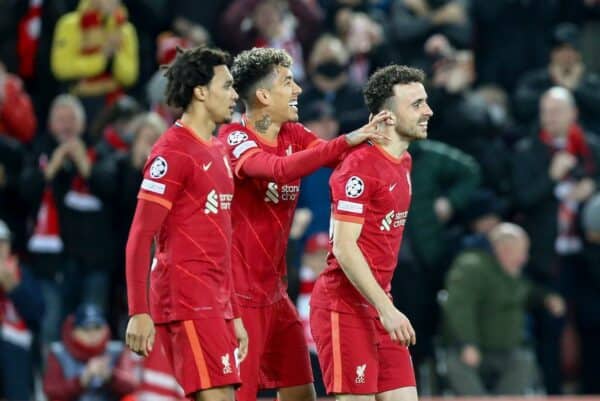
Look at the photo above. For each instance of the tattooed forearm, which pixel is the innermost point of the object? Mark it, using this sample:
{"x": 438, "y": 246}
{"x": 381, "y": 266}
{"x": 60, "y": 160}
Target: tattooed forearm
{"x": 263, "y": 124}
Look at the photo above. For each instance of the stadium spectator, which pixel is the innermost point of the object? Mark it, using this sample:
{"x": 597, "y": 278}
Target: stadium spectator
{"x": 565, "y": 69}
{"x": 587, "y": 297}
{"x": 443, "y": 180}
{"x": 146, "y": 129}
{"x": 17, "y": 117}
{"x": 21, "y": 311}
{"x": 511, "y": 38}
{"x": 95, "y": 51}
{"x": 86, "y": 364}
{"x": 329, "y": 81}
{"x": 288, "y": 25}
{"x": 484, "y": 316}
{"x": 554, "y": 172}
{"x": 68, "y": 193}
{"x": 412, "y": 22}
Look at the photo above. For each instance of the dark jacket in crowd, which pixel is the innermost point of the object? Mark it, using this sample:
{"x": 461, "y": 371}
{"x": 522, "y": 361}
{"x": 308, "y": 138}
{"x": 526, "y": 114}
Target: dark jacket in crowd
{"x": 350, "y": 110}
{"x": 87, "y": 234}
{"x": 438, "y": 170}
{"x": 462, "y": 120}
{"x": 535, "y": 202}
{"x": 511, "y": 38}
{"x": 12, "y": 210}
{"x": 535, "y": 83}
{"x": 21, "y": 312}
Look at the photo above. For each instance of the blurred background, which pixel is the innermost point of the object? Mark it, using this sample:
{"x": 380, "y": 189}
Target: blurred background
{"x": 515, "y": 89}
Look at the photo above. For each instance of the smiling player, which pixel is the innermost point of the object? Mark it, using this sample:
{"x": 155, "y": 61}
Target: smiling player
{"x": 262, "y": 214}
{"x": 362, "y": 339}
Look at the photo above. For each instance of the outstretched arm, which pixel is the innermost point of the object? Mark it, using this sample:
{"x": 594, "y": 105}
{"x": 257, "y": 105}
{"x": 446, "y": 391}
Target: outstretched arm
{"x": 259, "y": 164}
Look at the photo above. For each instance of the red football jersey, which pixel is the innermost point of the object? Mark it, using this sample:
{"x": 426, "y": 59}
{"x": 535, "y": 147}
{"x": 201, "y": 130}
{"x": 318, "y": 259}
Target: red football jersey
{"x": 262, "y": 214}
{"x": 191, "y": 275}
{"x": 372, "y": 188}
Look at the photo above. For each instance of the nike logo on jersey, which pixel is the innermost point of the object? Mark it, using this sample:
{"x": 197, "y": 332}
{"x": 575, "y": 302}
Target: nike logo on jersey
{"x": 392, "y": 187}
{"x": 206, "y": 166}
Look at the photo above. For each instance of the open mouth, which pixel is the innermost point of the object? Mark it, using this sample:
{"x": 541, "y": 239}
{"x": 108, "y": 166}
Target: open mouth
{"x": 294, "y": 104}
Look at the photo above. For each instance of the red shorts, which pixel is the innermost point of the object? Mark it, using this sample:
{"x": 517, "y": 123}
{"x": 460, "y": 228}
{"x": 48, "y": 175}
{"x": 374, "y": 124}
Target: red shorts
{"x": 277, "y": 351}
{"x": 357, "y": 355}
{"x": 201, "y": 353}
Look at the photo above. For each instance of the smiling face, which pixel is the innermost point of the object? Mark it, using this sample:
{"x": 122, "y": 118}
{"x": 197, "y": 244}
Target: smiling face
{"x": 409, "y": 105}
{"x": 220, "y": 102}
{"x": 283, "y": 96}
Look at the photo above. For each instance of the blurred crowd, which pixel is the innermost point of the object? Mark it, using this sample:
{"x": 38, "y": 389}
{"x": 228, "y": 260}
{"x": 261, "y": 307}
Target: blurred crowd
{"x": 500, "y": 266}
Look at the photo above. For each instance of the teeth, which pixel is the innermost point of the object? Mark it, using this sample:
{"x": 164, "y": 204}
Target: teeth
{"x": 293, "y": 103}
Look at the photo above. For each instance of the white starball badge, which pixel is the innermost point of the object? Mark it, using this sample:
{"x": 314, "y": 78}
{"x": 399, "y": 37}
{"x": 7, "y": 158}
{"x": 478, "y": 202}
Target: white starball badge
{"x": 159, "y": 167}
{"x": 236, "y": 137}
{"x": 355, "y": 187}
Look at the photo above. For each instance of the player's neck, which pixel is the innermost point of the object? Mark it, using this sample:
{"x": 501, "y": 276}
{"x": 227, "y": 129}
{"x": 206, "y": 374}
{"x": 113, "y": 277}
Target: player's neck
{"x": 397, "y": 145}
{"x": 197, "y": 119}
{"x": 261, "y": 123}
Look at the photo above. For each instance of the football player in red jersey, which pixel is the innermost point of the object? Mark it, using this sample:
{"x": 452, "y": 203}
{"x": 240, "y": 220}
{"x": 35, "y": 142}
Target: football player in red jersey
{"x": 262, "y": 214}
{"x": 184, "y": 206}
{"x": 362, "y": 339}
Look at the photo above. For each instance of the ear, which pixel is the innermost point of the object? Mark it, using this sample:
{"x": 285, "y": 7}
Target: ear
{"x": 263, "y": 96}
{"x": 201, "y": 92}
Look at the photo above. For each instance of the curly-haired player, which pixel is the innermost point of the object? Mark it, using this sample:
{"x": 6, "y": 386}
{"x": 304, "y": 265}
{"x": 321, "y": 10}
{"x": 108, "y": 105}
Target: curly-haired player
{"x": 362, "y": 339}
{"x": 184, "y": 202}
{"x": 262, "y": 215}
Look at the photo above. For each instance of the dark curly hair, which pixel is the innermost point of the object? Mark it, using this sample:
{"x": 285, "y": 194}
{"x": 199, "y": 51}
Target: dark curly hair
{"x": 380, "y": 86}
{"x": 191, "y": 68}
{"x": 252, "y": 66}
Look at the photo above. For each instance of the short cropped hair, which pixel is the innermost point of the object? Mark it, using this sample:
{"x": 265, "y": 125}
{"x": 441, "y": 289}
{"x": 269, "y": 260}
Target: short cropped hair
{"x": 191, "y": 68}
{"x": 250, "y": 67}
{"x": 380, "y": 86}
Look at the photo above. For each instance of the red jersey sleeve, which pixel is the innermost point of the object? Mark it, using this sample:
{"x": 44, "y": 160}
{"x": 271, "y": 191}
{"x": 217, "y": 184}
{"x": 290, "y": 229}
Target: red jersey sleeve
{"x": 305, "y": 137}
{"x": 164, "y": 176}
{"x": 350, "y": 187}
{"x": 239, "y": 146}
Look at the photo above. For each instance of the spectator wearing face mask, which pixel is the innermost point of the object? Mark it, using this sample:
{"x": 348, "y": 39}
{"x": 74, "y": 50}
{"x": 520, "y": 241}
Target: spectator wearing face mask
{"x": 330, "y": 82}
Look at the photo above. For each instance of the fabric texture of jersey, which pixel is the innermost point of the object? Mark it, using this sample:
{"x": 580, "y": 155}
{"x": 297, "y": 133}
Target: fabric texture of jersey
{"x": 190, "y": 276}
{"x": 372, "y": 188}
{"x": 262, "y": 213}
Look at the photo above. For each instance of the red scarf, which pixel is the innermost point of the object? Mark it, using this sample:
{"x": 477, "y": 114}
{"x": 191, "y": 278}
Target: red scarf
{"x": 29, "y": 30}
{"x": 79, "y": 351}
{"x": 568, "y": 240}
{"x": 46, "y": 234}
{"x": 576, "y": 145}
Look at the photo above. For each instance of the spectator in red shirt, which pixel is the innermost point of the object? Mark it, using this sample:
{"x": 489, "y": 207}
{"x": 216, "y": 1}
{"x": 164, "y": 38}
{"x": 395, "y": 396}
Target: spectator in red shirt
{"x": 17, "y": 117}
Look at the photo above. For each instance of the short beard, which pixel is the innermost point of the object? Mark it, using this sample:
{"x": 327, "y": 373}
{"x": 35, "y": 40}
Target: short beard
{"x": 263, "y": 124}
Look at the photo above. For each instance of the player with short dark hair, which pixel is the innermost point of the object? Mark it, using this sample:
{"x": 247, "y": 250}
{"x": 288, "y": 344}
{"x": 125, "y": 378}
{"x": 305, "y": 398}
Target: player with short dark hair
{"x": 362, "y": 339}
{"x": 184, "y": 205}
{"x": 262, "y": 215}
